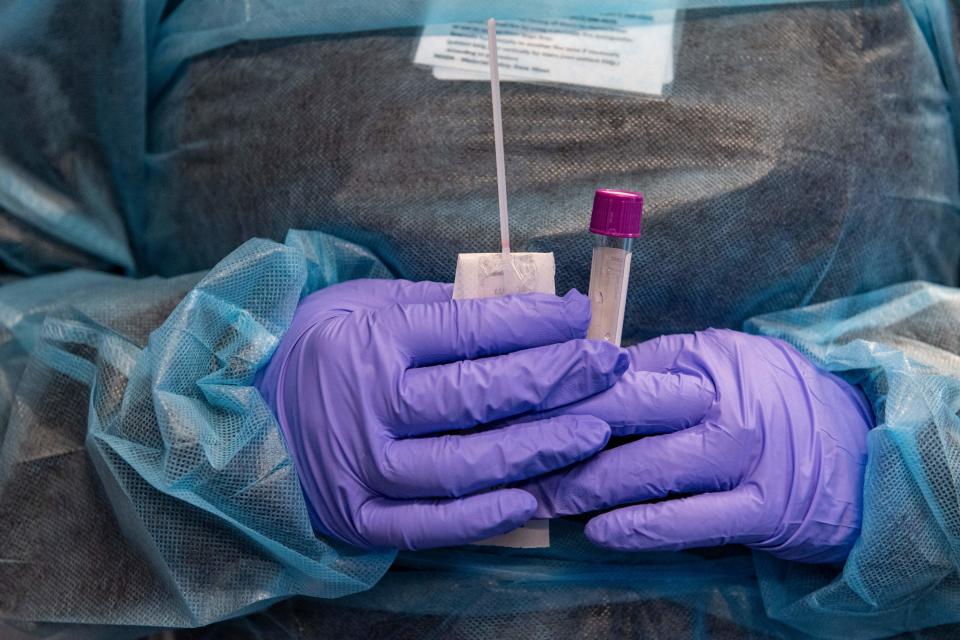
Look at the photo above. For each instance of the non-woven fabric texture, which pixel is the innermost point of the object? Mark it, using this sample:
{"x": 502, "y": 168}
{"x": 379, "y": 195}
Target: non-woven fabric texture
{"x": 143, "y": 480}
{"x": 158, "y": 470}
{"x": 72, "y": 131}
{"x": 900, "y": 345}
{"x": 803, "y": 153}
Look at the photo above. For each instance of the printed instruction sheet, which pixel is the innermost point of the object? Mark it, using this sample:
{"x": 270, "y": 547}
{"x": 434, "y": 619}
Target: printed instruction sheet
{"x": 616, "y": 51}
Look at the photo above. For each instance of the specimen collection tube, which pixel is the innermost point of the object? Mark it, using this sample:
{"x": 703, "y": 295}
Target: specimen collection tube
{"x": 614, "y": 224}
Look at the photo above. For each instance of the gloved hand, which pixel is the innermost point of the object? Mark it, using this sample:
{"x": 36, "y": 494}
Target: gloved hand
{"x": 370, "y": 369}
{"x": 773, "y": 447}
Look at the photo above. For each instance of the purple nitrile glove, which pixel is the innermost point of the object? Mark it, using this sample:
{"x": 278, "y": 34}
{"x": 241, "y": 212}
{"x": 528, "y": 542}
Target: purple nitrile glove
{"x": 773, "y": 447}
{"x": 371, "y": 370}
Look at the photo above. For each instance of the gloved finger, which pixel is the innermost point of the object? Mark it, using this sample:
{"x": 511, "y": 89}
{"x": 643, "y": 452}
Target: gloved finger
{"x": 646, "y": 403}
{"x": 702, "y": 458}
{"x": 464, "y": 329}
{"x": 423, "y": 292}
{"x": 659, "y": 354}
{"x": 423, "y": 524}
{"x": 471, "y": 392}
{"x": 705, "y": 520}
{"x": 372, "y": 293}
{"x": 458, "y": 465}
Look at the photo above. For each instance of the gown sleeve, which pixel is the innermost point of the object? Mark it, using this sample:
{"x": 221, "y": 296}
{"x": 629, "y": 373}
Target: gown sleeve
{"x": 901, "y": 344}
{"x": 143, "y": 480}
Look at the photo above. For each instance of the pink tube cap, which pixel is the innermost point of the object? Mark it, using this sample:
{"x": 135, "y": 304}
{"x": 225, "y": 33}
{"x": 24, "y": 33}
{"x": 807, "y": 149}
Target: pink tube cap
{"x": 616, "y": 213}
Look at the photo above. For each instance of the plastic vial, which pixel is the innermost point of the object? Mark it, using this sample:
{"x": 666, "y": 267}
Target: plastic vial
{"x": 614, "y": 223}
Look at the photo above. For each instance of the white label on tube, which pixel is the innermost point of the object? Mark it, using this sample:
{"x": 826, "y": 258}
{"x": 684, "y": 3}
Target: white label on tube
{"x": 609, "y": 277}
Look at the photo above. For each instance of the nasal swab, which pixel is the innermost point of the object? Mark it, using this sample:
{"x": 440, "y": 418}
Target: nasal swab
{"x": 498, "y": 137}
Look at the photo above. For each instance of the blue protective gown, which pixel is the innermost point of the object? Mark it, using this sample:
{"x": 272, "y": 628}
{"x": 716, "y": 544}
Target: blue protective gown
{"x": 175, "y": 176}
